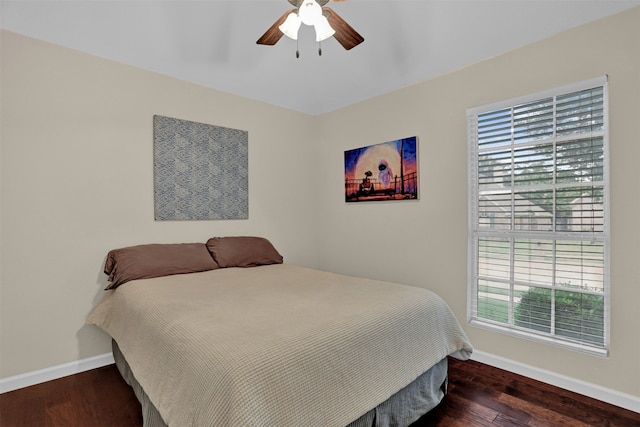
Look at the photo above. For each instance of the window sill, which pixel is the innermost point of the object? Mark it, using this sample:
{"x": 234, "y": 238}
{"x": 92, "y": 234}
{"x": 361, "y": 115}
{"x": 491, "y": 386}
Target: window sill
{"x": 549, "y": 340}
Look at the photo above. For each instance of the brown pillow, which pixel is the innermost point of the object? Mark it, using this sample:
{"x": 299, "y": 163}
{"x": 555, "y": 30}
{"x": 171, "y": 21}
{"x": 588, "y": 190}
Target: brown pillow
{"x": 243, "y": 251}
{"x": 155, "y": 260}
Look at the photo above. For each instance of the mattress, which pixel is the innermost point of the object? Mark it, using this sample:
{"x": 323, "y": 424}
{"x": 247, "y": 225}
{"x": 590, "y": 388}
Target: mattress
{"x": 401, "y": 409}
{"x": 276, "y": 345}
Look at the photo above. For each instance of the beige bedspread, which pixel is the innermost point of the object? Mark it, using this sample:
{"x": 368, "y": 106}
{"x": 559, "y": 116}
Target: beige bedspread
{"x": 276, "y": 345}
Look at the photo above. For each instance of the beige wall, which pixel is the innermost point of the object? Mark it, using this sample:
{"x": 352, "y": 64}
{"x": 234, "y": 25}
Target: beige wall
{"x": 425, "y": 243}
{"x": 77, "y": 181}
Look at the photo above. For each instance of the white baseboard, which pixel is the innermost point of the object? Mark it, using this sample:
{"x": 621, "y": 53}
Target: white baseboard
{"x": 604, "y": 394}
{"x": 613, "y": 397}
{"x": 54, "y": 372}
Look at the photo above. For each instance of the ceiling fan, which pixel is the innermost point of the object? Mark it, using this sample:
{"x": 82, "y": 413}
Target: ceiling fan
{"x": 326, "y": 22}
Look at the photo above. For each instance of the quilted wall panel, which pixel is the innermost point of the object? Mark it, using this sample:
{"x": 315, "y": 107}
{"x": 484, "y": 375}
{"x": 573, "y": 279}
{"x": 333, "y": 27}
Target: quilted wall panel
{"x": 200, "y": 171}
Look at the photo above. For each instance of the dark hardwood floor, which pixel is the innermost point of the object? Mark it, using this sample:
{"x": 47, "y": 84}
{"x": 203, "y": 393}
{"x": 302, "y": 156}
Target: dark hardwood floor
{"x": 479, "y": 395}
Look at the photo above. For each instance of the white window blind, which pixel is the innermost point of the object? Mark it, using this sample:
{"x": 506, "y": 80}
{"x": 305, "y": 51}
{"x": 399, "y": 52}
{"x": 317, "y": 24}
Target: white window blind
{"x": 538, "y": 223}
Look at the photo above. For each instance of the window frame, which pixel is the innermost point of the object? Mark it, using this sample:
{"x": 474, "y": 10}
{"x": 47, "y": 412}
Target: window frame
{"x": 474, "y": 231}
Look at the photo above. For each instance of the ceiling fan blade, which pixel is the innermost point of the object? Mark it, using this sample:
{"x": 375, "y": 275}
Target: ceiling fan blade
{"x": 345, "y": 34}
{"x": 273, "y": 34}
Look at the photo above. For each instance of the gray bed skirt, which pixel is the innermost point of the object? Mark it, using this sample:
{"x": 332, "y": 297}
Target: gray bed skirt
{"x": 400, "y": 410}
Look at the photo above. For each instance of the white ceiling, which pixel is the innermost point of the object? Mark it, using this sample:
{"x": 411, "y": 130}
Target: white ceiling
{"x": 213, "y": 42}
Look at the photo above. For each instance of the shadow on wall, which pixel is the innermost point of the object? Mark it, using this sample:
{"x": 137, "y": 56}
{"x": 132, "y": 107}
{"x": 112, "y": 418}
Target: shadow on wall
{"x": 91, "y": 337}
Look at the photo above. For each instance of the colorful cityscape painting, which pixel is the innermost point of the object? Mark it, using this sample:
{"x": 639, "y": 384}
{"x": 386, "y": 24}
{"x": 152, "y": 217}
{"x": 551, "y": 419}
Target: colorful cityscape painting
{"x": 387, "y": 171}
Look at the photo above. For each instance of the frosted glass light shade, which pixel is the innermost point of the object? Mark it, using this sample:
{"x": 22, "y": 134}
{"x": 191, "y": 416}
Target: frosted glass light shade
{"x": 309, "y": 12}
{"x": 290, "y": 26}
{"x": 323, "y": 29}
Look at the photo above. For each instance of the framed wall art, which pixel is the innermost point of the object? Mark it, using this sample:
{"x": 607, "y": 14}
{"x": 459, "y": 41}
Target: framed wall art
{"x": 387, "y": 171}
{"x": 200, "y": 171}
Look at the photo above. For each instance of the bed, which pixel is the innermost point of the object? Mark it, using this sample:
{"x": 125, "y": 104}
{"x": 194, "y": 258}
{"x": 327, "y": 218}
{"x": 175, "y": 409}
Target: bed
{"x": 255, "y": 341}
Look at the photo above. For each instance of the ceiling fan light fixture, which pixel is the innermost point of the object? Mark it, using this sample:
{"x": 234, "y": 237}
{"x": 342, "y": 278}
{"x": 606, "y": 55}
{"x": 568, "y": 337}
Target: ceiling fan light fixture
{"x": 291, "y": 26}
{"x": 323, "y": 29}
{"x": 310, "y": 11}
{"x": 325, "y": 21}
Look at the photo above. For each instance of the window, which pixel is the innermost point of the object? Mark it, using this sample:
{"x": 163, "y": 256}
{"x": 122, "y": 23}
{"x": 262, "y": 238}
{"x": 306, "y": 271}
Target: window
{"x": 538, "y": 216}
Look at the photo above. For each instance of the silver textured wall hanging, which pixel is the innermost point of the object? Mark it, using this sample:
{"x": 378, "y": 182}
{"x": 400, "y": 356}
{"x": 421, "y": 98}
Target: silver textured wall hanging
{"x": 200, "y": 171}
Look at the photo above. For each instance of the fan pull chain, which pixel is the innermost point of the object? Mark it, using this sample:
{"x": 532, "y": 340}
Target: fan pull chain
{"x": 319, "y": 48}
{"x": 297, "y": 49}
